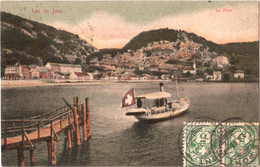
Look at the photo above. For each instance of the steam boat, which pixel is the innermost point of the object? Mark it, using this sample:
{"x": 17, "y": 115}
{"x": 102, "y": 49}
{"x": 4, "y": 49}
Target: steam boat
{"x": 154, "y": 107}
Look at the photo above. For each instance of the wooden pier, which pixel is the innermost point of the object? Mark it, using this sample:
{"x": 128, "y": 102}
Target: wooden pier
{"x": 22, "y": 134}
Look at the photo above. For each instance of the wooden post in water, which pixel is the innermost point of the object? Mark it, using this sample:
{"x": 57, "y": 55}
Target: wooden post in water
{"x": 69, "y": 138}
{"x": 5, "y": 135}
{"x": 31, "y": 157}
{"x": 88, "y": 118}
{"x": 20, "y": 156}
{"x": 51, "y": 151}
{"x": 20, "y": 150}
{"x": 84, "y": 122}
{"x": 76, "y": 121}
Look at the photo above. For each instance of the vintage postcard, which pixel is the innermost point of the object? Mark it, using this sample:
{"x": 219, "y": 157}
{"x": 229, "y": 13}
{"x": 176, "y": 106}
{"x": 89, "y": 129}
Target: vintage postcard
{"x": 130, "y": 83}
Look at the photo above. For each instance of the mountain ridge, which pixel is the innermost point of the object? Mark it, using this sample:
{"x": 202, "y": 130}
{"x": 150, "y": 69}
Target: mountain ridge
{"x": 31, "y": 42}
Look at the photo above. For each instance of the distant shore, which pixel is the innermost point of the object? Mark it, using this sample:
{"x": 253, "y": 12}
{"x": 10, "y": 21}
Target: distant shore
{"x": 32, "y": 83}
{"x": 48, "y": 82}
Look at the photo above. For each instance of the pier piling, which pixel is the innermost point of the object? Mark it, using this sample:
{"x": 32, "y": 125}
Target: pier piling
{"x": 84, "y": 122}
{"x": 20, "y": 156}
{"x": 51, "y": 152}
{"x": 88, "y": 118}
{"x": 69, "y": 138}
{"x": 31, "y": 157}
{"x": 76, "y": 122}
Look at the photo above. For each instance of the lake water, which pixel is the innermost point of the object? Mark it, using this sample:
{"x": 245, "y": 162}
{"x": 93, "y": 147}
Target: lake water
{"x": 122, "y": 140}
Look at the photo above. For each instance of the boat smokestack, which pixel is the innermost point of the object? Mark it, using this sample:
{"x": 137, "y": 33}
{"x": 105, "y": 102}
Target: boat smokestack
{"x": 161, "y": 87}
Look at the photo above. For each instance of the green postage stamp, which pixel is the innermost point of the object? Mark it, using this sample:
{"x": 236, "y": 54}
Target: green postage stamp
{"x": 220, "y": 144}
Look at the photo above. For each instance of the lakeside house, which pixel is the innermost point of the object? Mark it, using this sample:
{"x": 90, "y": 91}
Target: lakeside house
{"x": 209, "y": 77}
{"x": 62, "y": 68}
{"x": 60, "y": 75}
{"x": 188, "y": 69}
{"x": 26, "y": 72}
{"x": 80, "y": 76}
{"x": 239, "y": 74}
{"x": 217, "y": 76}
{"x": 165, "y": 77}
{"x": 40, "y": 73}
{"x": 14, "y": 71}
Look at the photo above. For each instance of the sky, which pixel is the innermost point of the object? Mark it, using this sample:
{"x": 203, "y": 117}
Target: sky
{"x": 112, "y": 24}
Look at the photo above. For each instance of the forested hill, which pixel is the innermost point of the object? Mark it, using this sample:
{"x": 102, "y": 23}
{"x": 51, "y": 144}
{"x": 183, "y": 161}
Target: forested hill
{"x": 243, "y": 48}
{"x": 31, "y": 42}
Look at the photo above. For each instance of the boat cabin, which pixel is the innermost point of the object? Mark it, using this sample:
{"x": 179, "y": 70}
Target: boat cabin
{"x": 153, "y": 100}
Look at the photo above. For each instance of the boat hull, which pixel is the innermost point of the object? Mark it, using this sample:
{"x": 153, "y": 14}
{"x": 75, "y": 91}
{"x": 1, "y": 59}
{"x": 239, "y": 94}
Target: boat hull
{"x": 162, "y": 116}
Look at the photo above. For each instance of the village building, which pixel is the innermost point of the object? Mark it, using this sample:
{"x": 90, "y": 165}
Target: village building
{"x": 141, "y": 68}
{"x": 109, "y": 76}
{"x": 26, "y": 72}
{"x": 217, "y": 76}
{"x": 239, "y": 74}
{"x": 32, "y": 66}
{"x": 14, "y": 71}
{"x": 119, "y": 77}
{"x": 125, "y": 76}
{"x": 40, "y": 73}
{"x": 165, "y": 77}
{"x": 189, "y": 69}
{"x": 134, "y": 77}
{"x": 80, "y": 76}
{"x": 145, "y": 77}
{"x": 62, "y": 68}
{"x": 60, "y": 75}
{"x": 209, "y": 77}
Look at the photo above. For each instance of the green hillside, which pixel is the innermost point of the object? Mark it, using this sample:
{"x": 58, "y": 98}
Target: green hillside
{"x": 243, "y": 48}
{"x": 34, "y": 43}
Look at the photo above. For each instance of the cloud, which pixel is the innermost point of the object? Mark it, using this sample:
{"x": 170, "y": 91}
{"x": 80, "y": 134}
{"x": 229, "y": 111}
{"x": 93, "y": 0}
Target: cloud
{"x": 240, "y": 24}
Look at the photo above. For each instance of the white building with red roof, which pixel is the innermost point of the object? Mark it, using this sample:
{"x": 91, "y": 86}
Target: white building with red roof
{"x": 239, "y": 74}
{"x": 189, "y": 69}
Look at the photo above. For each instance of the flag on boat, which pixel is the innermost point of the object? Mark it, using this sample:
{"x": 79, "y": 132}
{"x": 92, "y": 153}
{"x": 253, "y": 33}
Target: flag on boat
{"x": 128, "y": 99}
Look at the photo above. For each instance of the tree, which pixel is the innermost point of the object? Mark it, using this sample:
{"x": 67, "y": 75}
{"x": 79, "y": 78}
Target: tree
{"x": 188, "y": 74}
{"x": 88, "y": 59}
{"x": 209, "y": 71}
{"x": 173, "y": 61}
{"x": 248, "y": 71}
{"x": 200, "y": 74}
{"x": 199, "y": 64}
{"x": 77, "y": 61}
{"x": 139, "y": 72}
{"x": 233, "y": 59}
{"x": 206, "y": 64}
{"x": 226, "y": 77}
{"x": 233, "y": 68}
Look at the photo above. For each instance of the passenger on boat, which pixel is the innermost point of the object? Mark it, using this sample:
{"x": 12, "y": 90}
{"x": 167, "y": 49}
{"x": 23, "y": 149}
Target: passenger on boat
{"x": 139, "y": 103}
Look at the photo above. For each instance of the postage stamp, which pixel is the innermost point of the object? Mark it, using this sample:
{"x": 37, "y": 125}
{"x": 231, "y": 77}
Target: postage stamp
{"x": 240, "y": 145}
{"x": 220, "y": 144}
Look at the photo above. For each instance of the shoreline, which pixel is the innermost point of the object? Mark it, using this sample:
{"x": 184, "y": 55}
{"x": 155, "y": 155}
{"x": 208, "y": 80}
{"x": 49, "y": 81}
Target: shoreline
{"x": 5, "y": 84}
